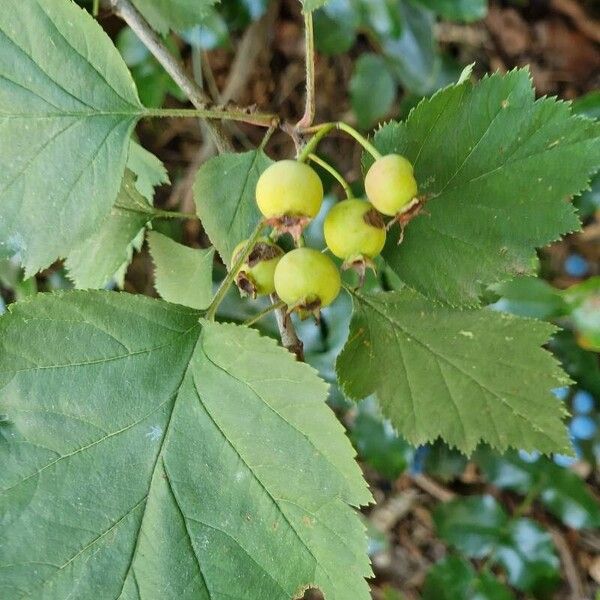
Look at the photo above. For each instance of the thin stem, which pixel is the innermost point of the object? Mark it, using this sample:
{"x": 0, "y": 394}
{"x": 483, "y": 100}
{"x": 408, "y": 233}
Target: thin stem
{"x": 264, "y": 120}
{"x": 324, "y": 129}
{"x": 197, "y": 96}
{"x": 363, "y": 141}
{"x": 309, "y": 44}
{"x": 334, "y": 173}
{"x": 312, "y": 144}
{"x": 289, "y": 337}
{"x": 173, "y": 214}
{"x": 229, "y": 279}
{"x": 96, "y": 8}
{"x": 263, "y": 313}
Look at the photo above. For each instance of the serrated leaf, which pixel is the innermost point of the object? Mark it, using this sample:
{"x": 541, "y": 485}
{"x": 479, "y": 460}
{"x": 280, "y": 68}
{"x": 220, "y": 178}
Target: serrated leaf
{"x": 95, "y": 262}
{"x": 149, "y": 170}
{"x": 497, "y": 166}
{"x": 158, "y": 456}
{"x": 107, "y": 253}
{"x": 67, "y": 108}
{"x": 174, "y": 14}
{"x": 183, "y": 275}
{"x": 225, "y": 199}
{"x": 463, "y": 375}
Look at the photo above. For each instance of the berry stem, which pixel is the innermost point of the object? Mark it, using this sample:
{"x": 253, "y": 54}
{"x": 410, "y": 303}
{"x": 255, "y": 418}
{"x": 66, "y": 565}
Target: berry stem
{"x": 95, "y": 8}
{"x": 324, "y": 129}
{"x": 263, "y": 313}
{"x": 229, "y": 279}
{"x": 334, "y": 173}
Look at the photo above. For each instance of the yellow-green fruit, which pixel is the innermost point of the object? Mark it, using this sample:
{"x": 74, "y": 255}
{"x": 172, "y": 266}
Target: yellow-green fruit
{"x": 289, "y": 188}
{"x": 354, "y": 229}
{"x": 256, "y": 276}
{"x": 390, "y": 184}
{"x": 307, "y": 279}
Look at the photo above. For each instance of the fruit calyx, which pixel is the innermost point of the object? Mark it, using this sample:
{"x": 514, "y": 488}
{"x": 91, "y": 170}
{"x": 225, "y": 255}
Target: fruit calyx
{"x": 292, "y": 224}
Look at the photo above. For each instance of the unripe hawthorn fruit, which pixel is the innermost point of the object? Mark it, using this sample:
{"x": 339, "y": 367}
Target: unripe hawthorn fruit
{"x": 390, "y": 184}
{"x": 307, "y": 280}
{"x": 354, "y": 230}
{"x": 289, "y": 194}
{"x": 255, "y": 276}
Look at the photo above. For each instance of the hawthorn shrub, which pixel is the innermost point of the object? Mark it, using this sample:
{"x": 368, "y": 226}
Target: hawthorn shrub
{"x": 152, "y": 450}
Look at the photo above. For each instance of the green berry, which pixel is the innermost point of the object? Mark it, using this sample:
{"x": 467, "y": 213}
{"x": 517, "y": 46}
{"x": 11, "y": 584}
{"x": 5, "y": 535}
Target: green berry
{"x": 307, "y": 280}
{"x": 289, "y": 188}
{"x": 256, "y": 275}
{"x": 390, "y": 184}
{"x": 354, "y": 229}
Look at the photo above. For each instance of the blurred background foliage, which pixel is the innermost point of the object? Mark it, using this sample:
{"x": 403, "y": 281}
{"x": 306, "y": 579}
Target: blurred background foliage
{"x": 445, "y": 527}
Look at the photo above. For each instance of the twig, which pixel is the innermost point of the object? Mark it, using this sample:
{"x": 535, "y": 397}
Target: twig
{"x": 289, "y": 338}
{"x": 197, "y": 96}
{"x": 385, "y": 516}
{"x": 583, "y": 21}
{"x": 433, "y": 488}
{"x": 571, "y": 572}
{"x": 309, "y": 44}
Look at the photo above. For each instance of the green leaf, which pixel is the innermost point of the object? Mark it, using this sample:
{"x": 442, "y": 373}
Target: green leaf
{"x": 528, "y": 556}
{"x": 149, "y": 170}
{"x": 457, "y": 10}
{"x": 67, "y": 108}
{"x": 443, "y": 462}
{"x": 108, "y": 252}
{"x": 158, "y": 456}
{"x": 473, "y": 525}
{"x": 372, "y": 89}
{"x": 529, "y": 297}
{"x": 174, "y": 14}
{"x": 183, "y": 275}
{"x": 413, "y": 53}
{"x": 454, "y": 578}
{"x": 497, "y": 190}
{"x": 563, "y": 492}
{"x": 378, "y": 445}
{"x": 95, "y": 262}
{"x": 465, "y": 376}
{"x": 336, "y": 27}
{"x": 479, "y": 527}
{"x": 225, "y": 200}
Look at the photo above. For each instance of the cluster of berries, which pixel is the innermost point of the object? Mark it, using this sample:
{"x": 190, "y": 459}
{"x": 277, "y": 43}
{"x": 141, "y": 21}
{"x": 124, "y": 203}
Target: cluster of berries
{"x": 289, "y": 195}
